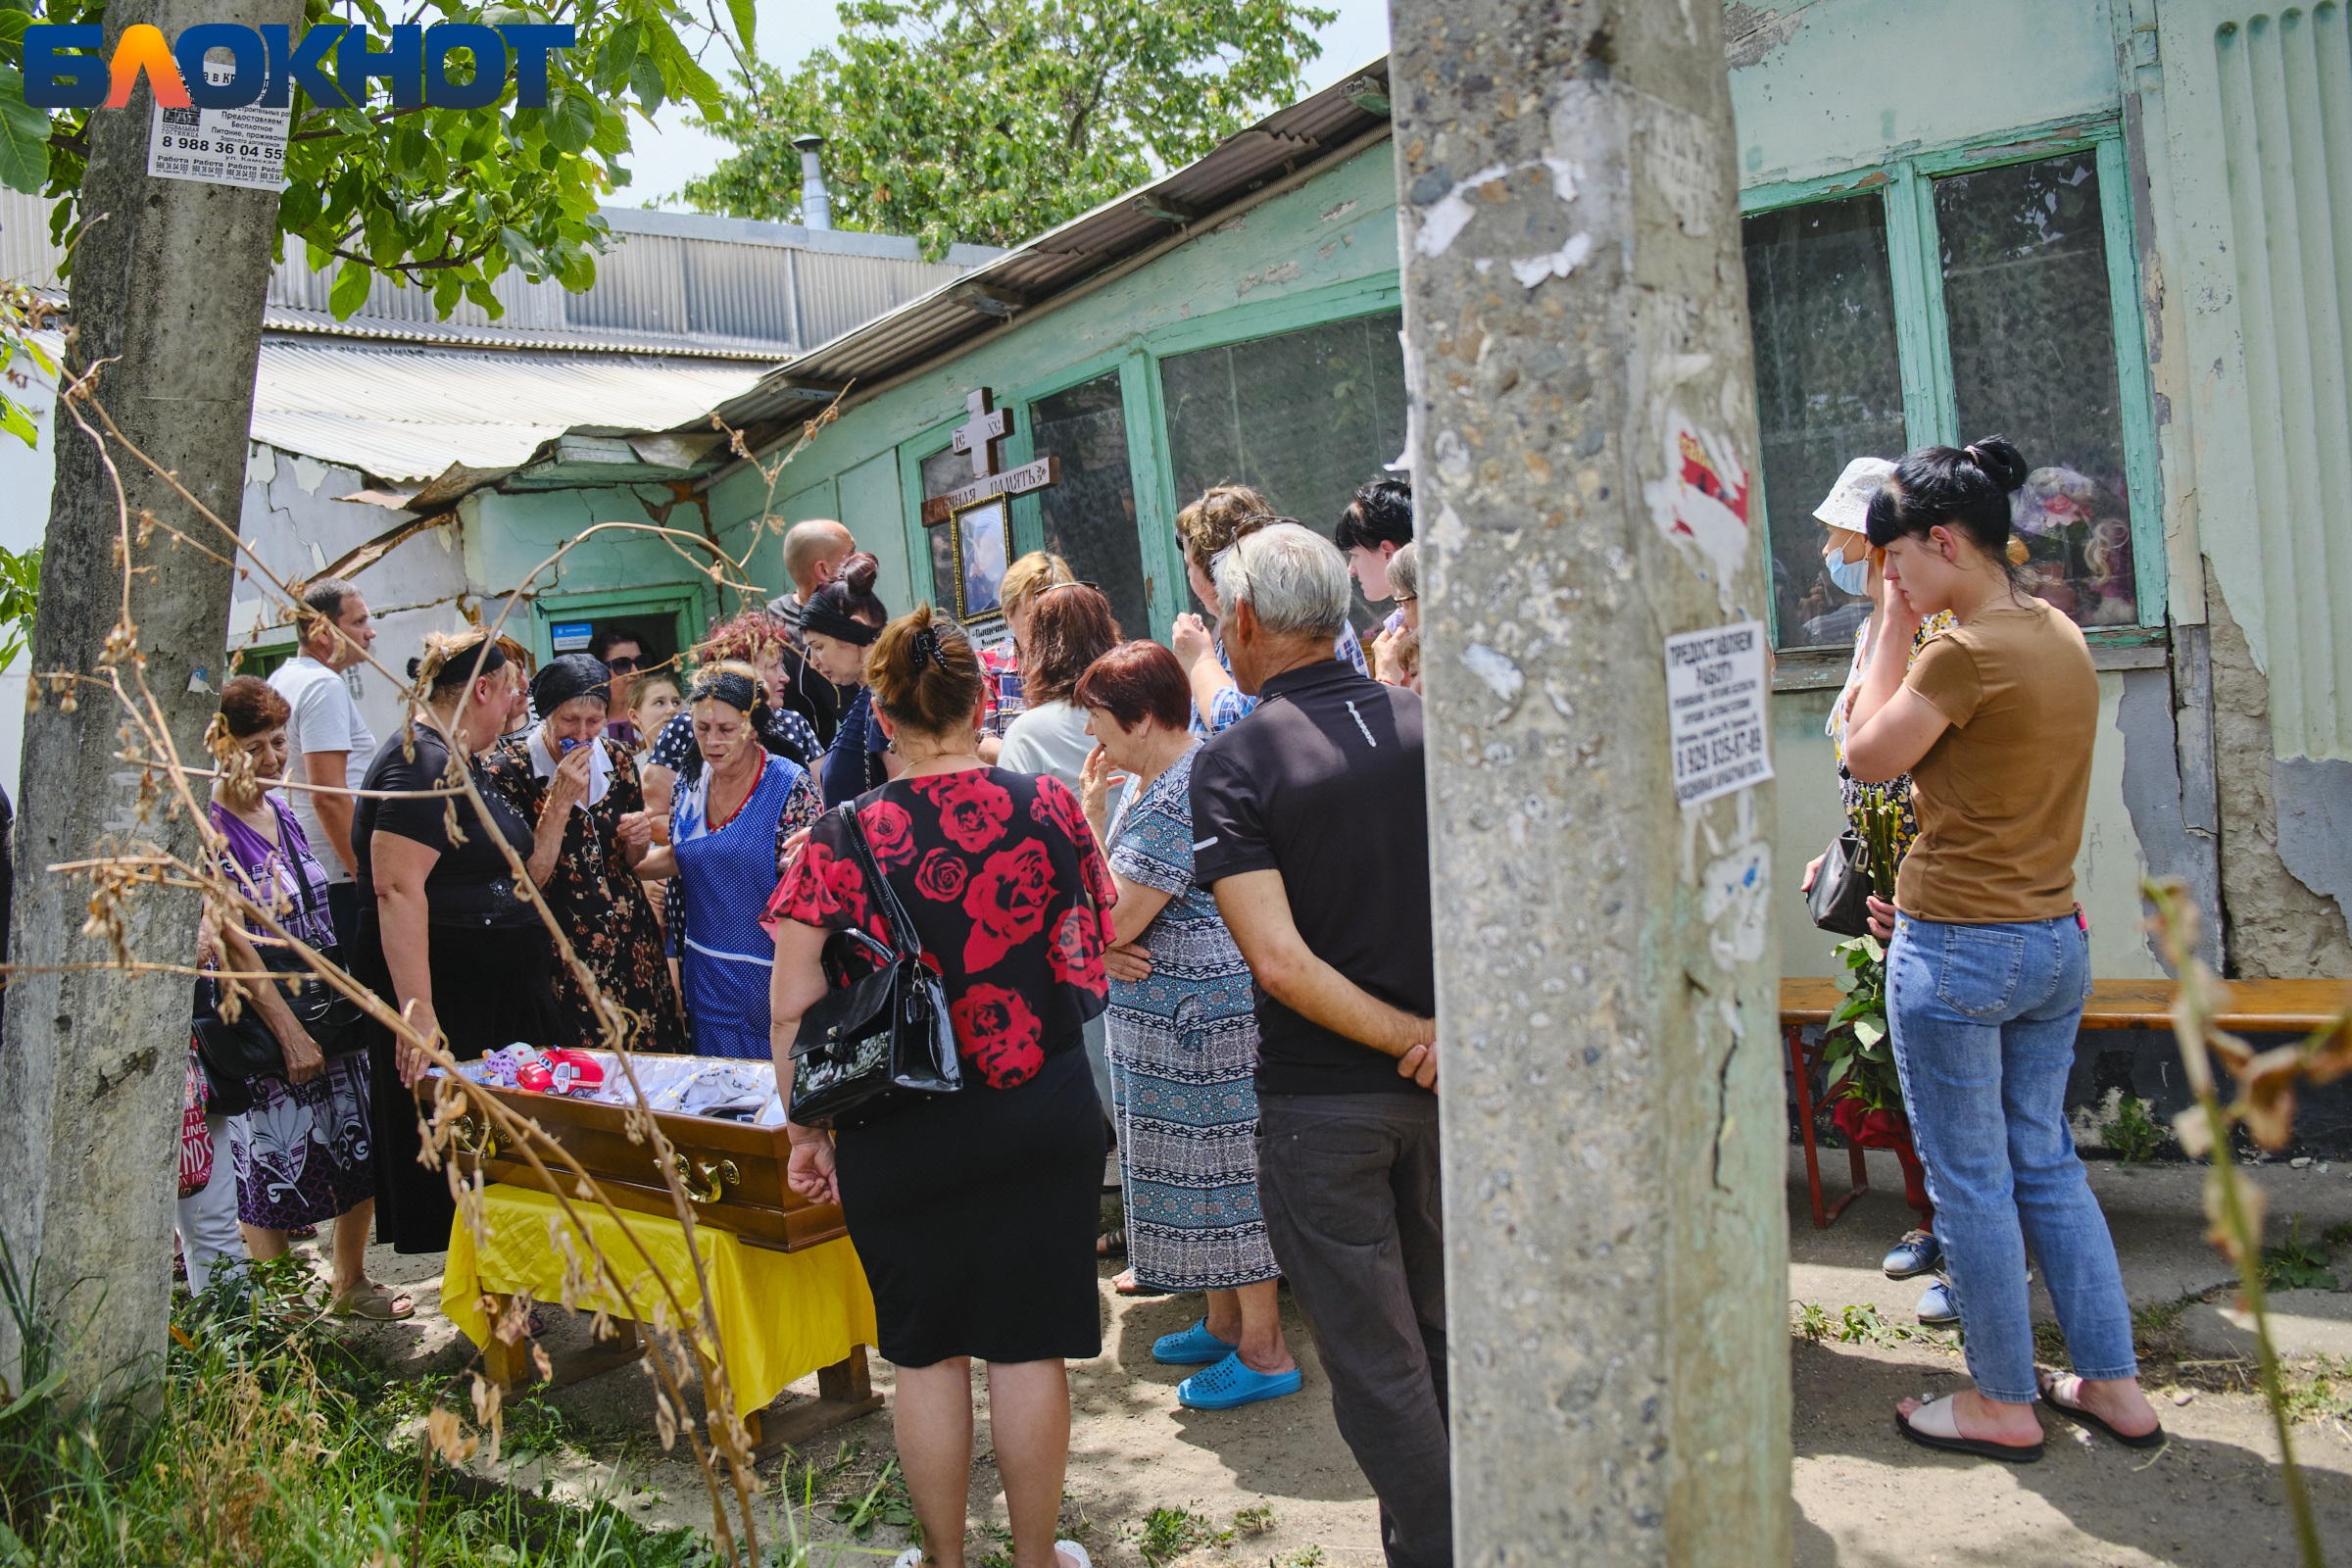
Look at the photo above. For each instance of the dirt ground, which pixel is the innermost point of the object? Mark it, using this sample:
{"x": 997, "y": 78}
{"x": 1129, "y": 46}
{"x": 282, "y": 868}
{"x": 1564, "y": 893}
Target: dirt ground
{"x": 1274, "y": 1485}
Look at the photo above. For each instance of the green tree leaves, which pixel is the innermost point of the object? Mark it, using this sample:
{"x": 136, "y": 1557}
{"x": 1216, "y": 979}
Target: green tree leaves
{"x": 446, "y": 199}
{"x": 990, "y": 121}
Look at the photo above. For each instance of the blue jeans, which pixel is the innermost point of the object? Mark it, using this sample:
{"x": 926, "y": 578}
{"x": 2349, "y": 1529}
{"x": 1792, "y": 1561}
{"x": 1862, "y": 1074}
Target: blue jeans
{"x": 1983, "y": 1020}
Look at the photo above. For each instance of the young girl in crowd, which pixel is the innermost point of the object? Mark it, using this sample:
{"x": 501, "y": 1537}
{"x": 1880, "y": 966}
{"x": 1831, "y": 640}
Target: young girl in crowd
{"x": 653, "y": 701}
{"x": 1989, "y": 963}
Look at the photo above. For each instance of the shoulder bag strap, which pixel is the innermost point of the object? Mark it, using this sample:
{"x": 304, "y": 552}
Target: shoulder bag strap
{"x": 902, "y": 929}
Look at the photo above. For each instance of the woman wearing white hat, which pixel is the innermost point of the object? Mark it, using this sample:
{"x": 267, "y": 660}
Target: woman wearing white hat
{"x": 1852, "y": 565}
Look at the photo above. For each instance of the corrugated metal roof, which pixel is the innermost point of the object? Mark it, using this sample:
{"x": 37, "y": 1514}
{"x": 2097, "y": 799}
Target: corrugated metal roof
{"x": 1189, "y": 201}
{"x": 405, "y": 412}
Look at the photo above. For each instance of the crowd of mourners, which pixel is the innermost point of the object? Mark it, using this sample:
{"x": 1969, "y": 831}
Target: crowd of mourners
{"x": 1144, "y": 876}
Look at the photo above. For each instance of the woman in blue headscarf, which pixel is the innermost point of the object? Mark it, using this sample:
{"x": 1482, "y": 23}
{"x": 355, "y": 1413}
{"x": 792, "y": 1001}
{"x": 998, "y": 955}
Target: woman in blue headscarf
{"x": 727, "y": 830}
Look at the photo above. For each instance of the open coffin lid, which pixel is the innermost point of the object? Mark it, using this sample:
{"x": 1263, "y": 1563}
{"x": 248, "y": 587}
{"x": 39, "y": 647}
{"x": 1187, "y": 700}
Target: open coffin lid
{"x": 732, "y": 1170}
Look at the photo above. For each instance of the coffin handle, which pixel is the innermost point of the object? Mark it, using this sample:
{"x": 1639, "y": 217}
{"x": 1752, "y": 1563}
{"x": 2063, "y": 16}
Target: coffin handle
{"x": 715, "y": 1180}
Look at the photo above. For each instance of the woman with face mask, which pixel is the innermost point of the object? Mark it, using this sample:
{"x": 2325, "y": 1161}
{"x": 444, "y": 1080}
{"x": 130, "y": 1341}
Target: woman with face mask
{"x": 1852, "y": 565}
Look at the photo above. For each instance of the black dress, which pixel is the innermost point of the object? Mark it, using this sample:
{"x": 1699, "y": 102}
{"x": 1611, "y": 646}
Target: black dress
{"x": 975, "y": 1212}
{"x": 491, "y": 959}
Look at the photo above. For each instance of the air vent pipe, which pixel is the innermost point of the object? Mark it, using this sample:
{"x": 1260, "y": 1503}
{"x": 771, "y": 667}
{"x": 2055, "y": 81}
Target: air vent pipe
{"x": 816, "y": 203}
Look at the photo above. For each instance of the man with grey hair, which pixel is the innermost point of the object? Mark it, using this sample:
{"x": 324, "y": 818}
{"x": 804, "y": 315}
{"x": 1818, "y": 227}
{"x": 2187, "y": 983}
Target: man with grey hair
{"x": 1311, "y": 829}
{"x": 328, "y": 743}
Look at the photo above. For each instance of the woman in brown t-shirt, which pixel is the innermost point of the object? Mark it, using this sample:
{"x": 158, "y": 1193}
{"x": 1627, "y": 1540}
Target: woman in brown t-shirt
{"x": 1989, "y": 963}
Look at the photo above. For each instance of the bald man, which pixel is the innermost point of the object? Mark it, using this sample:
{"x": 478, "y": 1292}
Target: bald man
{"x": 813, "y": 552}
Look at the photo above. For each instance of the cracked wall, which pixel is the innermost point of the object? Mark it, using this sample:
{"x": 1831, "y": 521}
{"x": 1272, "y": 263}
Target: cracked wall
{"x": 2278, "y": 926}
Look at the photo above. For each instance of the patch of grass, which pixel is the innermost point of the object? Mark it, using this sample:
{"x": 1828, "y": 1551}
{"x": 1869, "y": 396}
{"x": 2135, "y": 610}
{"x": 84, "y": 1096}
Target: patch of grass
{"x": 1304, "y": 1557}
{"x": 2296, "y": 1264}
{"x": 1862, "y": 1324}
{"x": 1254, "y": 1520}
{"x": 2338, "y": 1234}
{"x": 885, "y": 1502}
{"x": 274, "y": 1444}
{"x": 2133, "y": 1135}
{"x": 2319, "y": 1390}
{"x": 1169, "y": 1533}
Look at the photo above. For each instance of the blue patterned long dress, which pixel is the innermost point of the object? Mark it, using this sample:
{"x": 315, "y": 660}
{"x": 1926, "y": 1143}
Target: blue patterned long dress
{"x": 1182, "y": 1052}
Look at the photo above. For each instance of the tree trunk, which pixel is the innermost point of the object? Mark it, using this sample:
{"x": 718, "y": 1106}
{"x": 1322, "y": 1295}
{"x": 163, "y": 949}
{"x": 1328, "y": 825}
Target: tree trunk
{"x": 169, "y": 286}
{"x": 1578, "y": 346}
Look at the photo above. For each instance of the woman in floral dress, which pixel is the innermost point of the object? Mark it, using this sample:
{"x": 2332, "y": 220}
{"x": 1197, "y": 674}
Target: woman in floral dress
{"x": 580, "y": 792}
{"x": 303, "y": 1150}
{"x": 1183, "y": 1044}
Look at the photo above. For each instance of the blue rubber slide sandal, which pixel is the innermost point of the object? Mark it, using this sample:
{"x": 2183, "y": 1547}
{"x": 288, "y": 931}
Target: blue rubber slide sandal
{"x": 1195, "y": 1346}
{"x": 1233, "y": 1383}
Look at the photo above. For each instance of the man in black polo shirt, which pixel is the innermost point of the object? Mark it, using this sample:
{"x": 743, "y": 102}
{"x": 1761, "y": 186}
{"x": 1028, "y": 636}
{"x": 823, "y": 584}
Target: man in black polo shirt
{"x": 1310, "y": 824}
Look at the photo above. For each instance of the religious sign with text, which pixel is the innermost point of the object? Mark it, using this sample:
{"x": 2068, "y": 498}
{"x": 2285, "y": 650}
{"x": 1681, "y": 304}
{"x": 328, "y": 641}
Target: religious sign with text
{"x": 982, "y": 439}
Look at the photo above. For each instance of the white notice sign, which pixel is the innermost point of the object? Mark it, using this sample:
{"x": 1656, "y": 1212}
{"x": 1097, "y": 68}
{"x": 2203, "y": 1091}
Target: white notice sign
{"x": 220, "y": 146}
{"x": 1716, "y": 704}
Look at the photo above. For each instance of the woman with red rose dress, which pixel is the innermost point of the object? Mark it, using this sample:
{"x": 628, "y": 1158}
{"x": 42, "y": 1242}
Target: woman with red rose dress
{"x": 973, "y": 1212}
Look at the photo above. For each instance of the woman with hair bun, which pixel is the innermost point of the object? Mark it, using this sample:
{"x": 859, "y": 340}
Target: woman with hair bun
{"x": 1989, "y": 963}
{"x": 727, "y": 832}
{"x": 446, "y": 937}
{"x": 973, "y": 1212}
{"x": 841, "y": 622}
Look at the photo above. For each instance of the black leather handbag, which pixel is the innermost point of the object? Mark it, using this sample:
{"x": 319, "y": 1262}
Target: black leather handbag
{"x": 884, "y": 1039}
{"x": 1840, "y": 898}
{"x": 336, "y": 1024}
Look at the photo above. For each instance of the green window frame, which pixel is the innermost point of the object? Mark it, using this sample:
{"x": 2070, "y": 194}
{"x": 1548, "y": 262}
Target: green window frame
{"x": 1907, "y": 186}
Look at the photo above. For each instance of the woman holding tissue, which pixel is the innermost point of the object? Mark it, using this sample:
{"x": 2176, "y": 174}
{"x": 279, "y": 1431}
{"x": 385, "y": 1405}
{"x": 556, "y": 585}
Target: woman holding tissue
{"x": 580, "y": 791}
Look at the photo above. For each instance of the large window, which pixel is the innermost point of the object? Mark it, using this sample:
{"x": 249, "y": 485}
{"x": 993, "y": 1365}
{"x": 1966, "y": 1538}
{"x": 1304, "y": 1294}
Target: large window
{"x": 1304, "y": 417}
{"x": 1089, "y": 517}
{"x": 1943, "y": 305}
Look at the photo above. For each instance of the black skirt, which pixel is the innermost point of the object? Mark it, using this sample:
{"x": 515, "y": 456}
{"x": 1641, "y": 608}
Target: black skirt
{"x": 492, "y": 986}
{"x": 975, "y": 1216}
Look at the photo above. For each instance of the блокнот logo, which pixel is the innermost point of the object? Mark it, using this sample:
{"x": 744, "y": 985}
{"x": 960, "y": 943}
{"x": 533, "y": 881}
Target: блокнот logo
{"x": 270, "y": 63}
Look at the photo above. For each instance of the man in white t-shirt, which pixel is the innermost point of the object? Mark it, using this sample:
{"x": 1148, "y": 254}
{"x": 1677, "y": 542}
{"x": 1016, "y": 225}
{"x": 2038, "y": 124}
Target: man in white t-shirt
{"x": 326, "y": 741}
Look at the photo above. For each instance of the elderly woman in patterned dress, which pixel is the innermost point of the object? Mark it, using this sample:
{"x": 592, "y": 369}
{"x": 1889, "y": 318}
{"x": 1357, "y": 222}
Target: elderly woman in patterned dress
{"x": 1183, "y": 1044}
{"x": 580, "y": 791}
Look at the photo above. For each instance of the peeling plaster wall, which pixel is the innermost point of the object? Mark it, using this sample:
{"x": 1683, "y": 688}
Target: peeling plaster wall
{"x": 1822, "y": 87}
{"x": 291, "y": 519}
{"x": 2277, "y": 926}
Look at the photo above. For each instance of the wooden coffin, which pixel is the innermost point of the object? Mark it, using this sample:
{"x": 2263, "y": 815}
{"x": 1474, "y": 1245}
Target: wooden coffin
{"x": 733, "y": 1171}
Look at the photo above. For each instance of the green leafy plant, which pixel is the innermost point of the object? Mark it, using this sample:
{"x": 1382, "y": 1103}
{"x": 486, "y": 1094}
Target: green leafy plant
{"x": 24, "y": 313}
{"x": 992, "y": 121}
{"x": 19, "y": 593}
{"x": 885, "y": 1502}
{"x": 2133, "y": 1135}
{"x": 446, "y": 199}
{"x": 2296, "y": 1264}
{"x": 1169, "y": 1533}
{"x": 1254, "y": 1520}
{"x": 1855, "y": 1050}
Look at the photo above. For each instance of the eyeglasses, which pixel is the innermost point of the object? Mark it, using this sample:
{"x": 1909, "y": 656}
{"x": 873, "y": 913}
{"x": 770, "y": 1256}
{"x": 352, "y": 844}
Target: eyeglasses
{"x": 625, "y": 664}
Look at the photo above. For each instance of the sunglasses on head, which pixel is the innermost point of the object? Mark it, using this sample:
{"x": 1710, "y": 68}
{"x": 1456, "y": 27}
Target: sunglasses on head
{"x": 625, "y": 664}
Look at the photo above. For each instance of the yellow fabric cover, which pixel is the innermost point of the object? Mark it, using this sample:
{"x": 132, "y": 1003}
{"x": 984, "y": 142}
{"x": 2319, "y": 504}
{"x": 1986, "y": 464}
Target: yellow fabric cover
{"x": 781, "y": 1315}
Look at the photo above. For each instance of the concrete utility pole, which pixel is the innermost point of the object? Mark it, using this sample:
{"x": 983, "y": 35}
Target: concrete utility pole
{"x": 1577, "y": 338}
{"x": 169, "y": 287}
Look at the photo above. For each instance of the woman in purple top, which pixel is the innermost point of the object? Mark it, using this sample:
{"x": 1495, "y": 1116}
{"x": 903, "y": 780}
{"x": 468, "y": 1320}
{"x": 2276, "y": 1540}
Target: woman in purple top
{"x": 303, "y": 1151}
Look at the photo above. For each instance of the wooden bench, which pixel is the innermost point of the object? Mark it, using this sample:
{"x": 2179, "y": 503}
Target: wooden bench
{"x": 2256, "y": 1006}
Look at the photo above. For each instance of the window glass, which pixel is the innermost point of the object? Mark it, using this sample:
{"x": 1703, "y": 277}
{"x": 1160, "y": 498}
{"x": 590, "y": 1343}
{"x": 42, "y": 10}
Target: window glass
{"x": 1829, "y": 389}
{"x": 2024, "y": 294}
{"x": 1304, "y": 417}
{"x": 1089, "y": 517}
{"x": 943, "y": 470}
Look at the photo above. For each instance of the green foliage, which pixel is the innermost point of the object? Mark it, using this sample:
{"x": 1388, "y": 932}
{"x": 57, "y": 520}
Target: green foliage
{"x": 2321, "y": 1391}
{"x": 1169, "y": 1533}
{"x": 275, "y": 1444}
{"x": 19, "y": 590}
{"x": 1855, "y": 1049}
{"x": 2133, "y": 1135}
{"x": 885, "y": 1502}
{"x": 23, "y": 314}
{"x": 992, "y": 121}
{"x": 2296, "y": 1264}
{"x": 1860, "y": 1324}
{"x": 443, "y": 199}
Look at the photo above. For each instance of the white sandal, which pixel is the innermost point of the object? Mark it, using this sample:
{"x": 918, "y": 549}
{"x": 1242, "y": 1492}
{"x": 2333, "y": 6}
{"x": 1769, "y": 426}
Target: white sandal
{"x": 1937, "y": 1425}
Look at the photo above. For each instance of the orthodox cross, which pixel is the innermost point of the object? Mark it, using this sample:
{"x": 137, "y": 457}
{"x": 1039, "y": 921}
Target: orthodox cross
{"x": 978, "y": 436}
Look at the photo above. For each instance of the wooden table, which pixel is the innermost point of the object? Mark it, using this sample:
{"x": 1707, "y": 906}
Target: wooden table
{"x": 2256, "y": 1006}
